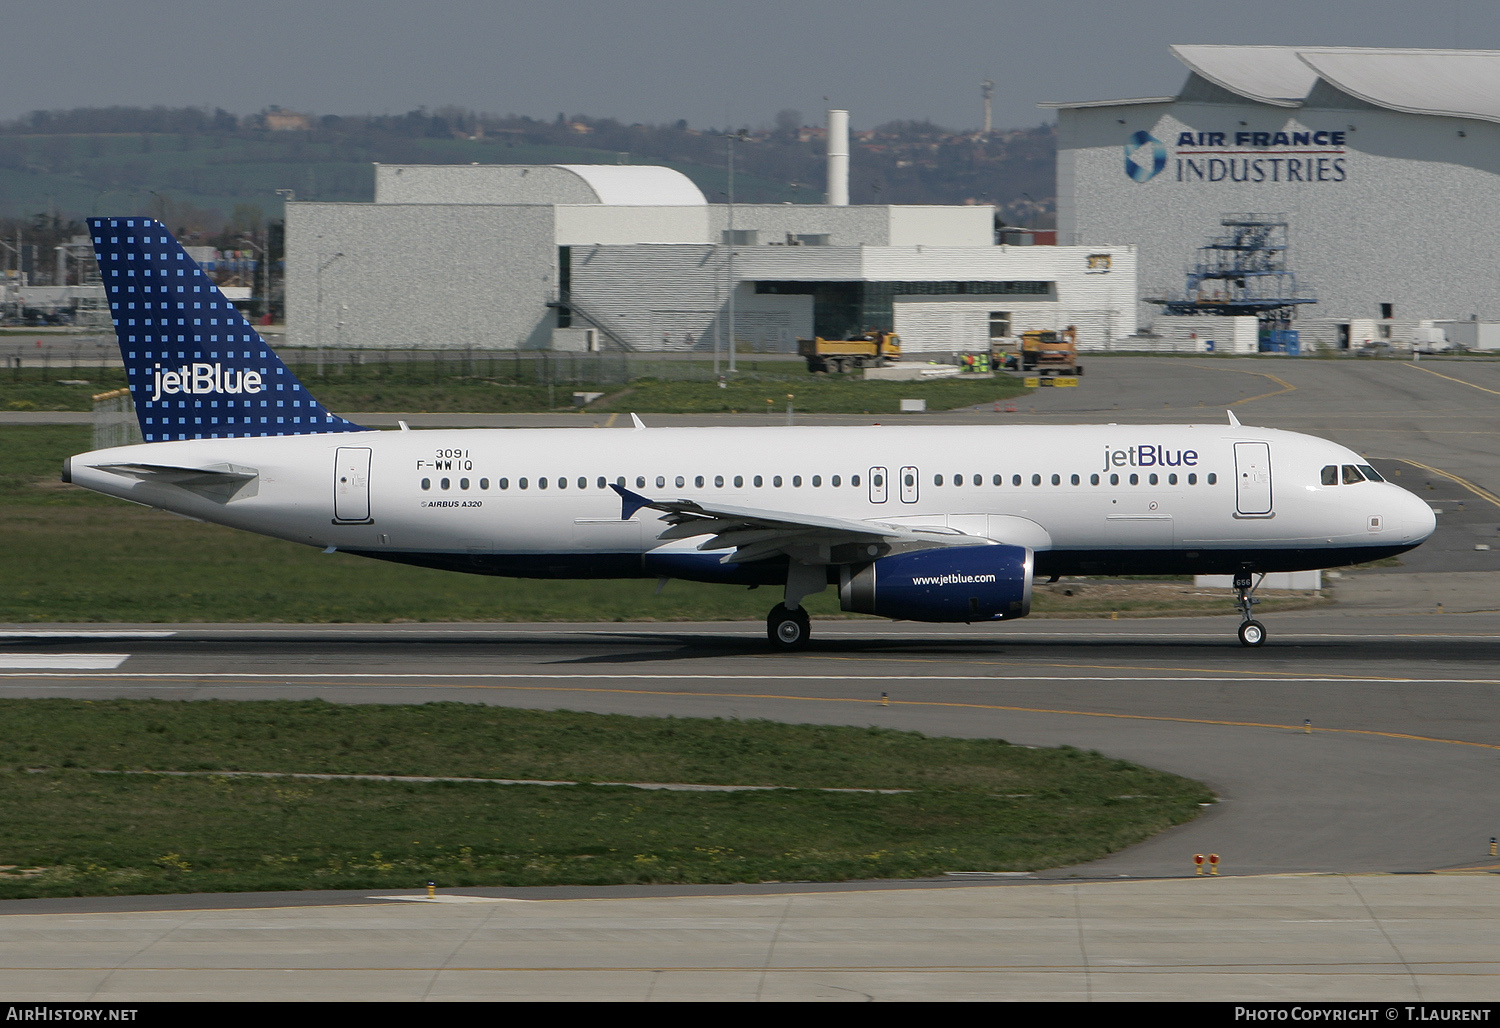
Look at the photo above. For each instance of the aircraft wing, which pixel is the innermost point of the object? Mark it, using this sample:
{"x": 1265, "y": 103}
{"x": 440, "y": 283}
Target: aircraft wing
{"x": 751, "y": 534}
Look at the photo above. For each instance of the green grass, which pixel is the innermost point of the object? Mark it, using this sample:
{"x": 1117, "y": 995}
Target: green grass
{"x": 972, "y": 804}
{"x": 495, "y": 385}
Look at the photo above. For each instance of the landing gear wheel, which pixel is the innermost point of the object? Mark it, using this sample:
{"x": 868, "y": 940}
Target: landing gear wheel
{"x": 1252, "y": 633}
{"x": 788, "y": 629}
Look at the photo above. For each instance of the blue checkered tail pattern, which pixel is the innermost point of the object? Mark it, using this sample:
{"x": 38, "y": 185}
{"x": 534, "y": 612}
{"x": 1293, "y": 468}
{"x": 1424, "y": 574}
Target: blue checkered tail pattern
{"x": 196, "y": 368}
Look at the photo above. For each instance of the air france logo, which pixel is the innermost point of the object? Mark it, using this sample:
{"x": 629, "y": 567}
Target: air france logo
{"x": 195, "y": 379}
{"x": 1145, "y": 157}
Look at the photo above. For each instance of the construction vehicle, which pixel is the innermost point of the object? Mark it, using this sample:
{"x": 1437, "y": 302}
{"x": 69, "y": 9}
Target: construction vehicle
{"x": 866, "y": 350}
{"x": 1041, "y": 353}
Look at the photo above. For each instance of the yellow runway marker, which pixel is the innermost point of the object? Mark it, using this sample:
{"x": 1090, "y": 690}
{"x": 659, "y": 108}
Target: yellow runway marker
{"x": 1439, "y": 374}
{"x": 610, "y": 423}
{"x": 1478, "y": 490}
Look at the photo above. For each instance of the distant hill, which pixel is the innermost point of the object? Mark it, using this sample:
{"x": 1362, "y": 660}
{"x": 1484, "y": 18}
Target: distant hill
{"x": 206, "y": 171}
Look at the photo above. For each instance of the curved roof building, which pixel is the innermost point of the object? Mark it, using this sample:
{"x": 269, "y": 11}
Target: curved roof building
{"x": 1384, "y": 162}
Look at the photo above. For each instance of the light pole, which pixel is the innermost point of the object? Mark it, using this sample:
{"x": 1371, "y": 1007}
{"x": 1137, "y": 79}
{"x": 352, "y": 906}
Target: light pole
{"x": 732, "y": 137}
{"x": 321, "y": 267}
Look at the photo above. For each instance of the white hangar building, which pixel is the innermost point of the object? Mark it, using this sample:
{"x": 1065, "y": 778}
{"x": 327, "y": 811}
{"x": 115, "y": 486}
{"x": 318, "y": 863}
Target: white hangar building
{"x": 1386, "y": 164}
{"x": 537, "y": 257}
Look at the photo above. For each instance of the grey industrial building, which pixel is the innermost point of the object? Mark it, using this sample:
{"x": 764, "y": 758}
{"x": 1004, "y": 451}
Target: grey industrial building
{"x": 1384, "y": 162}
{"x": 629, "y": 257}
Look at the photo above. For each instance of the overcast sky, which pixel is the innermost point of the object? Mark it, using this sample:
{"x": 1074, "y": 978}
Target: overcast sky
{"x": 660, "y": 60}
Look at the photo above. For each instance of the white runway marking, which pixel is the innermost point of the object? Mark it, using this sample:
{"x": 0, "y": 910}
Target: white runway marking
{"x": 69, "y": 661}
{"x": 68, "y": 633}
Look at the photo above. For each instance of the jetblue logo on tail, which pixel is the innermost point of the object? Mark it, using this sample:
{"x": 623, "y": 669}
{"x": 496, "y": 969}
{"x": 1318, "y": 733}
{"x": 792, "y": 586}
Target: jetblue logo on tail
{"x": 196, "y": 368}
{"x": 197, "y": 379}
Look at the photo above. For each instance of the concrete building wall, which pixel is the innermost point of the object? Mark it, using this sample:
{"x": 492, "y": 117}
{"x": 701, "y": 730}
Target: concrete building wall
{"x": 582, "y": 224}
{"x": 420, "y": 275}
{"x": 772, "y": 223}
{"x": 942, "y": 226}
{"x": 1404, "y": 209}
{"x": 479, "y": 184}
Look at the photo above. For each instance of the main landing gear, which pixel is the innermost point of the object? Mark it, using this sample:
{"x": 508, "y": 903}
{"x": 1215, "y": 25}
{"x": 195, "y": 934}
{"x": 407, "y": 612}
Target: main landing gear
{"x": 1252, "y": 632}
{"x": 788, "y": 629}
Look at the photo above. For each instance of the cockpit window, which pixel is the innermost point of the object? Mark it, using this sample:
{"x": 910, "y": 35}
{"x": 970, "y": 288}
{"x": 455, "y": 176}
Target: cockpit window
{"x": 1352, "y": 475}
{"x": 1370, "y": 473}
{"x": 1331, "y": 475}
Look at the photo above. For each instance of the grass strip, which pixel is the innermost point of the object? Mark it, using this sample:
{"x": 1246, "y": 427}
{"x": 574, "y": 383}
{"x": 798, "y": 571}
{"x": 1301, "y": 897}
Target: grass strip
{"x": 971, "y": 804}
{"x": 422, "y": 387}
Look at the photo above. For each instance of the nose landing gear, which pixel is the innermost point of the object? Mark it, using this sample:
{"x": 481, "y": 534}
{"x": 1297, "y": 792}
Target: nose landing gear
{"x": 1252, "y": 632}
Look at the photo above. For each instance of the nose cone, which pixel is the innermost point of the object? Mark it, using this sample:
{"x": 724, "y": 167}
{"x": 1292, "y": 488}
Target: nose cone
{"x": 1413, "y": 520}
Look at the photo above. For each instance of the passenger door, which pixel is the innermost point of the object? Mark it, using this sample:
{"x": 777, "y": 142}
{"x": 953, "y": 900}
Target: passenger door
{"x": 351, "y": 484}
{"x": 1252, "y": 479}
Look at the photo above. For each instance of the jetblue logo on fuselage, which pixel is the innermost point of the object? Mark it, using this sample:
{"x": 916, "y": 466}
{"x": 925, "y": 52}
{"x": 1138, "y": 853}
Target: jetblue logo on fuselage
{"x": 199, "y": 378}
{"x": 1148, "y": 455}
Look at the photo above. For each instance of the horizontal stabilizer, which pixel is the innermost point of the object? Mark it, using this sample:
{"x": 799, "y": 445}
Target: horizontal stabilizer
{"x": 219, "y": 482}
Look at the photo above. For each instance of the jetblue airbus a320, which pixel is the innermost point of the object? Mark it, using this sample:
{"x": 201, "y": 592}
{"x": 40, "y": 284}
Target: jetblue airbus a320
{"x": 939, "y": 524}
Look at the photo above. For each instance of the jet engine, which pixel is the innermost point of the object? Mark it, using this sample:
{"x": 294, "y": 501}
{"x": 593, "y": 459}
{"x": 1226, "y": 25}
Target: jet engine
{"x": 966, "y": 583}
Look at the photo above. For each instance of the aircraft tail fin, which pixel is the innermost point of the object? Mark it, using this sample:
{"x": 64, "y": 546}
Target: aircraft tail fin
{"x": 196, "y": 368}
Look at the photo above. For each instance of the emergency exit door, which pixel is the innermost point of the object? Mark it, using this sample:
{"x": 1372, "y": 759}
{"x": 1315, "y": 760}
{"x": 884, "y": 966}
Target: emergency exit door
{"x": 1252, "y": 478}
{"x": 351, "y": 484}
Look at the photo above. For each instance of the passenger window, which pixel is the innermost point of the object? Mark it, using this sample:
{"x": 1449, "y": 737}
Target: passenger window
{"x": 1192, "y": 480}
{"x": 1135, "y": 479}
{"x": 1075, "y": 479}
{"x": 698, "y": 481}
{"x": 541, "y": 483}
{"x": 1093, "y": 480}
{"x": 484, "y": 483}
{"x": 817, "y": 481}
{"x": 562, "y": 482}
{"x": 1370, "y": 473}
{"x": 1213, "y": 479}
{"x": 661, "y": 481}
{"x": 776, "y": 481}
{"x": 1015, "y": 479}
{"x": 718, "y": 481}
{"x": 854, "y": 481}
{"x": 640, "y": 481}
{"x": 739, "y": 481}
{"x": 979, "y": 480}
{"x": 997, "y": 479}
{"x": 1330, "y": 474}
{"x": 1114, "y": 479}
{"x": 463, "y": 483}
{"x": 426, "y": 483}
{"x": 759, "y": 481}
{"x": 911, "y": 480}
{"x": 1171, "y": 480}
{"x": 619, "y": 481}
{"x": 583, "y": 483}
{"x": 504, "y": 483}
{"x": 1352, "y": 475}
{"x": 879, "y": 481}
{"x": 1057, "y": 480}
{"x": 1153, "y": 479}
{"x": 522, "y": 483}
{"x": 1036, "y": 479}
{"x": 680, "y": 482}
{"x": 797, "y": 481}
{"x": 834, "y": 481}
{"x": 444, "y": 483}
{"x": 937, "y": 479}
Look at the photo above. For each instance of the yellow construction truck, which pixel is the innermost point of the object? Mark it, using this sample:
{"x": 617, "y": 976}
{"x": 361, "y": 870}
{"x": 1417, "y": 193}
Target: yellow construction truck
{"x": 866, "y": 350}
{"x": 1041, "y": 353}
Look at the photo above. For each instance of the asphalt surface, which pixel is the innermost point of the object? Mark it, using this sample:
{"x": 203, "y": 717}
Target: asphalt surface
{"x": 1360, "y": 740}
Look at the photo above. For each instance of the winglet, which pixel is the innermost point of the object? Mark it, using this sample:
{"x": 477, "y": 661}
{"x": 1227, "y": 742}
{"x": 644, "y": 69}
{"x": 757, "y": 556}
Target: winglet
{"x": 630, "y": 501}
{"x": 1232, "y": 419}
{"x": 638, "y": 422}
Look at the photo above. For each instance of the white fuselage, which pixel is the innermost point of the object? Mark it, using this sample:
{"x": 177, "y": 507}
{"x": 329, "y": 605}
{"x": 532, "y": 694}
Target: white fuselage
{"x": 1113, "y": 499}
